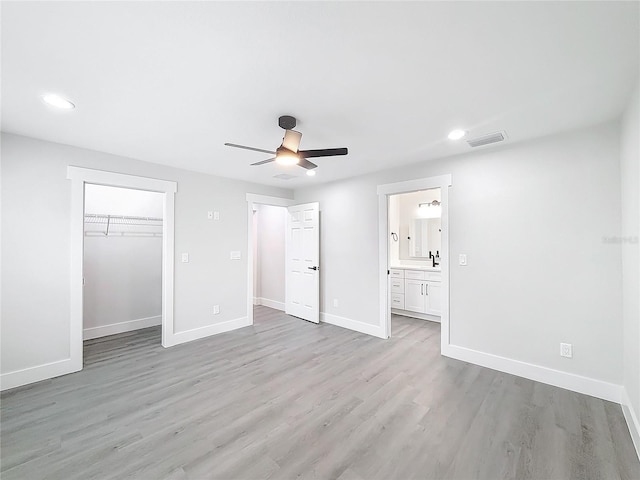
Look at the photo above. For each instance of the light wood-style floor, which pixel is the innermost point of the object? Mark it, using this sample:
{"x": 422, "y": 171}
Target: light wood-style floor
{"x": 289, "y": 399}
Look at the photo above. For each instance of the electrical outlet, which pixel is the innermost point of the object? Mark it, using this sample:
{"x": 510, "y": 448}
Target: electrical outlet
{"x": 566, "y": 350}
{"x": 210, "y": 215}
{"x": 462, "y": 259}
{"x": 216, "y": 309}
{"x": 185, "y": 258}
{"x": 216, "y": 215}
{"x": 335, "y": 302}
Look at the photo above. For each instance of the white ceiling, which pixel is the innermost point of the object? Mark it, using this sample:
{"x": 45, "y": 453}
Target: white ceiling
{"x": 171, "y": 82}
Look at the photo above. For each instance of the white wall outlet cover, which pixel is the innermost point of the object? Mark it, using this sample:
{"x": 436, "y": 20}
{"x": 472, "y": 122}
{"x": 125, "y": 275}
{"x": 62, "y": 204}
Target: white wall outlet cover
{"x": 235, "y": 255}
{"x": 462, "y": 259}
{"x": 210, "y": 215}
{"x": 216, "y": 215}
{"x": 566, "y": 350}
{"x": 185, "y": 258}
{"x": 216, "y": 309}
{"x": 335, "y": 302}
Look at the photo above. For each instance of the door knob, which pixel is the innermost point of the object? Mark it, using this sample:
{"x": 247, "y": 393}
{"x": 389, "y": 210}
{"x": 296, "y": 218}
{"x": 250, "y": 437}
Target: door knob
{"x": 313, "y": 268}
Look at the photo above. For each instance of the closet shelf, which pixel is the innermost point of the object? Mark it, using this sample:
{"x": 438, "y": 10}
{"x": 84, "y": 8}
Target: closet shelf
{"x": 121, "y": 225}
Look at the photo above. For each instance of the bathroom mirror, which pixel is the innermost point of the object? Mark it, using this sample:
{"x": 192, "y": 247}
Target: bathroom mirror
{"x": 424, "y": 237}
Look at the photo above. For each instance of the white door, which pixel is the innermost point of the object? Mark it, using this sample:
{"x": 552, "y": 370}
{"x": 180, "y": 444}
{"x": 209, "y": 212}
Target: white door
{"x": 302, "y": 295}
{"x": 414, "y": 295}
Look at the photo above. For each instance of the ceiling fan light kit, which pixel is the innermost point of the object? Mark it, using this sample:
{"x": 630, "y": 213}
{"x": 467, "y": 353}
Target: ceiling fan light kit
{"x": 287, "y": 153}
{"x": 284, "y": 156}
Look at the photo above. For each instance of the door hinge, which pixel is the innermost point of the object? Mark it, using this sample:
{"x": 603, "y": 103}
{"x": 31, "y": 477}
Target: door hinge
{"x": 388, "y": 272}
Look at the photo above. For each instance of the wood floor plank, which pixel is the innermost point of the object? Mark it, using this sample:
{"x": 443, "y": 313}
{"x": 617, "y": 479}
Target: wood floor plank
{"x": 286, "y": 398}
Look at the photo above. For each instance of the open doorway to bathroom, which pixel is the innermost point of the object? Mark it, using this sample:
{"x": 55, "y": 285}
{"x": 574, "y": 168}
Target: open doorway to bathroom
{"x": 387, "y": 260}
{"x": 415, "y": 246}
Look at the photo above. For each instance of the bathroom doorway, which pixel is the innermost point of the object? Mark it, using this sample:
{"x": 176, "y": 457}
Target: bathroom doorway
{"x": 417, "y": 267}
{"x": 415, "y": 245}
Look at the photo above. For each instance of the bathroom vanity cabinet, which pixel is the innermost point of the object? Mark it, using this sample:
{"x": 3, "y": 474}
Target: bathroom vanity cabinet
{"x": 416, "y": 291}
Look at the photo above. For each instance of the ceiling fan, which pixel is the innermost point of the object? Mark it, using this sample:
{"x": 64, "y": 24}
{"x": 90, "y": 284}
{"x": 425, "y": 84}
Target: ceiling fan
{"x": 288, "y": 153}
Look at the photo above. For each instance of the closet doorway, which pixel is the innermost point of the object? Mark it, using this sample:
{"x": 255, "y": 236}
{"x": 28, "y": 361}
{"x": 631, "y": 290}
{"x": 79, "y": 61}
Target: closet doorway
{"x": 122, "y": 261}
{"x": 80, "y": 177}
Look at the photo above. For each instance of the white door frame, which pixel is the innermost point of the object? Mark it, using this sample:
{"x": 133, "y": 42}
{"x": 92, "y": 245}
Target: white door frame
{"x": 443, "y": 182}
{"x": 252, "y": 199}
{"x": 79, "y": 177}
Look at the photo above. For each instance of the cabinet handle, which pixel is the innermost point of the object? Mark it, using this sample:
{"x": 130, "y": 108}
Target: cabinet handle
{"x": 422, "y": 289}
{"x": 426, "y": 288}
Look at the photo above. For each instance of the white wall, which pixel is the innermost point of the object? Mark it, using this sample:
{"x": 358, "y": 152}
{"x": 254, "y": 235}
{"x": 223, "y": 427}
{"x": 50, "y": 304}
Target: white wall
{"x": 630, "y": 175}
{"x": 270, "y": 247}
{"x": 394, "y": 227}
{"x": 36, "y": 199}
{"x": 123, "y": 274}
{"x": 531, "y": 217}
{"x": 101, "y": 199}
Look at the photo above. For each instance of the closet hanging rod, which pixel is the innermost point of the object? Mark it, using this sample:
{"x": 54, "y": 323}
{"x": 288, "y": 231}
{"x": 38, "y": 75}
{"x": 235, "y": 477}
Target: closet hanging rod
{"x": 105, "y": 217}
{"x": 123, "y": 234}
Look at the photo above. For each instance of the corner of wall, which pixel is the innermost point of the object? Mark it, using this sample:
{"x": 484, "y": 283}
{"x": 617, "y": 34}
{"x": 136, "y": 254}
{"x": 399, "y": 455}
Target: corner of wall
{"x": 631, "y": 418}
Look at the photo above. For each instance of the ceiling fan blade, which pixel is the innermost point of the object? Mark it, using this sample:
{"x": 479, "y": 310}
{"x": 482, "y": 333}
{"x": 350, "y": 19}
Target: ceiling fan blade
{"x": 249, "y": 148}
{"x": 304, "y": 163}
{"x": 291, "y": 140}
{"x": 325, "y": 152}
{"x": 264, "y": 161}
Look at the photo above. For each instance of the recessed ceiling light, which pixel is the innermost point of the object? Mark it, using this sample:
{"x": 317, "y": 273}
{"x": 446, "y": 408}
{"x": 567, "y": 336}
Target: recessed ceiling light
{"x": 57, "y": 101}
{"x": 457, "y": 134}
{"x": 311, "y": 173}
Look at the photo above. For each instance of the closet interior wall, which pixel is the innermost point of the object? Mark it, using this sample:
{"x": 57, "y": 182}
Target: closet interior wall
{"x": 122, "y": 260}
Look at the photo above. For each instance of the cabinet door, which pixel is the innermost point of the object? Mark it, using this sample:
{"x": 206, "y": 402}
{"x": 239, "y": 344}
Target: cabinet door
{"x": 433, "y": 298}
{"x": 414, "y": 297}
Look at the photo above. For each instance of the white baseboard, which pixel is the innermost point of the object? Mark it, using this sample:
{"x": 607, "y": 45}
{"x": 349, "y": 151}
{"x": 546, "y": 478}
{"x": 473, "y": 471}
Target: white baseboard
{"x": 271, "y": 303}
{"x": 36, "y": 374}
{"x": 121, "y": 327}
{"x": 421, "y": 316}
{"x": 630, "y": 415}
{"x": 197, "y": 333}
{"x": 557, "y": 378}
{"x": 351, "y": 324}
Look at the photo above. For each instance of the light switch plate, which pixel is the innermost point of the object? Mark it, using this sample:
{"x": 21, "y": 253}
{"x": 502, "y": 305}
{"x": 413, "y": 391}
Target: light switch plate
{"x": 216, "y": 215}
{"x": 185, "y": 258}
{"x": 210, "y": 215}
{"x": 216, "y": 309}
{"x": 235, "y": 255}
{"x": 462, "y": 259}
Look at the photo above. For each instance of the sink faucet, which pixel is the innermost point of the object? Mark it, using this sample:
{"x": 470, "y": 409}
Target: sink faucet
{"x": 434, "y": 258}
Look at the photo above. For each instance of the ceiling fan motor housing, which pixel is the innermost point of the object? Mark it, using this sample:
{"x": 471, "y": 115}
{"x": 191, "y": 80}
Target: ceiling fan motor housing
{"x": 287, "y": 122}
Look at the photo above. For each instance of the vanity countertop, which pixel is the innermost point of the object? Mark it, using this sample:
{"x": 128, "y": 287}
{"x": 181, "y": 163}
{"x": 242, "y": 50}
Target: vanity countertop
{"x": 416, "y": 267}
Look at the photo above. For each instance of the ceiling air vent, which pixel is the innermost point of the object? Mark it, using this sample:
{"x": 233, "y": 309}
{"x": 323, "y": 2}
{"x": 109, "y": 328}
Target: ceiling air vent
{"x": 487, "y": 139}
{"x": 284, "y": 176}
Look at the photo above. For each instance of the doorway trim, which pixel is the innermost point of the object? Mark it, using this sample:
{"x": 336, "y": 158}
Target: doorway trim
{"x": 384, "y": 191}
{"x": 79, "y": 177}
{"x": 252, "y": 199}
